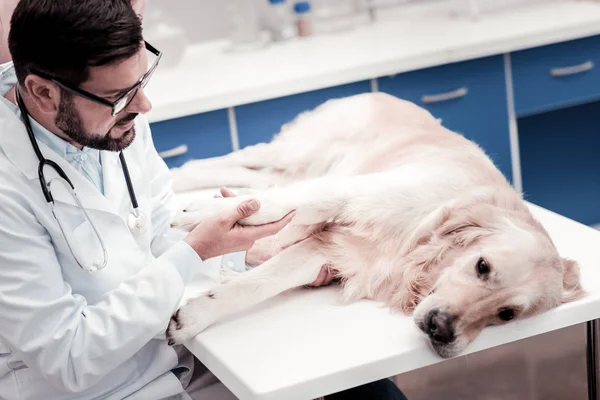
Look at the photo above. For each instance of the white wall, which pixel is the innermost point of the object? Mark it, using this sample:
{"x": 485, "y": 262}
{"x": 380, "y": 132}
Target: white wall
{"x": 208, "y": 19}
{"x": 200, "y": 19}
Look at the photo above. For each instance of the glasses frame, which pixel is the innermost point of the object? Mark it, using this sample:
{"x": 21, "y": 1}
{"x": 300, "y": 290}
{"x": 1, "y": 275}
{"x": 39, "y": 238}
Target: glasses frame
{"x": 125, "y": 99}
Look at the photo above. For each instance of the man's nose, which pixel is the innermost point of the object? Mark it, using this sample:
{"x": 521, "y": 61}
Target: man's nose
{"x": 439, "y": 327}
{"x": 140, "y": 103}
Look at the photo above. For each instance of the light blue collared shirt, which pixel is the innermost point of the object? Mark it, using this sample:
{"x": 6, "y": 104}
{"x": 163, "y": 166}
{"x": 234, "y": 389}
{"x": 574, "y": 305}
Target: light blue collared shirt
{"x": 86, "y": 161}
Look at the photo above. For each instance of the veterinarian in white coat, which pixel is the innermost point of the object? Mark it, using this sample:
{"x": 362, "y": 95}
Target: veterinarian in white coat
{"x": 66, "y": 333}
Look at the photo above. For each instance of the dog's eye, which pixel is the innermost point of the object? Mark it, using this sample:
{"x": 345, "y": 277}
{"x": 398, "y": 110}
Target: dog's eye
{"x": 506, "y": 314}
{"x": 482, "y": 267}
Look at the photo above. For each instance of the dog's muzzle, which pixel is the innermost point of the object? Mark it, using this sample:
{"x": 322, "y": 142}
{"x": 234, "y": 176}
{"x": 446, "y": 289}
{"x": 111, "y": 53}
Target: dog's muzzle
{"x": 439, "y": 326}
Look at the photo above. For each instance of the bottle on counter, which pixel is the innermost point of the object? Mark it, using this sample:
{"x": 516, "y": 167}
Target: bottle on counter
{"x": 246, "y": 32}
{"x": 304, "y": 23}
{"x": 279, "y": 20}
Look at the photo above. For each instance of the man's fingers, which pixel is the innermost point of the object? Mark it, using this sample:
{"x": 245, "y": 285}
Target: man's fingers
{"x": 330, "y": 277}
{"x": 261, "y": 231}
{"x": 325, "y": 277}
{"x": 226, "y": 192}
{"x": 243, "y": 210}
{"x": 321, "y": 278}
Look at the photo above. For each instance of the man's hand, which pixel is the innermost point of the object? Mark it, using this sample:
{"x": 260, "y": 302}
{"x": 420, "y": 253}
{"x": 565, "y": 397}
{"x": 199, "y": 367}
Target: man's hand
{"x": 221, "y": 234}
{"x": 258, "y": 255}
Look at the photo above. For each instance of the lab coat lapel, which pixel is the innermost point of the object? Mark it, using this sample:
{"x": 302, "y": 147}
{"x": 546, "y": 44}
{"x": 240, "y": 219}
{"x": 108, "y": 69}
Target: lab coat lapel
{"x": 115, "y": 187}
{"x": 15, "y": 143}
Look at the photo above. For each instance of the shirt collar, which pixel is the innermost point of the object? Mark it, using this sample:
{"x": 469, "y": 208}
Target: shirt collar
{"x": 8, "y": 79}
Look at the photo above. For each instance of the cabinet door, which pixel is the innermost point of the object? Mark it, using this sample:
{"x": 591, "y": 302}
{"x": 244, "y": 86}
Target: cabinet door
{"x": 556, "y": 76}
{"x": 259, "y": 122}
{"x": 469, "y": 97}
{"x": 205, "y": 135}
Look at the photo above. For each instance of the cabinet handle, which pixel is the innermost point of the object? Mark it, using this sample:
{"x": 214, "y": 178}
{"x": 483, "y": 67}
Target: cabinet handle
{"x": 436, "y": 98}
{"x": 177, "y": 151}
{"x": 575, "y": 69}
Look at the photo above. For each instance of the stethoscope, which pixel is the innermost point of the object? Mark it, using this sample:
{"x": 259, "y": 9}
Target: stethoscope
{"x": 137, "y": 221}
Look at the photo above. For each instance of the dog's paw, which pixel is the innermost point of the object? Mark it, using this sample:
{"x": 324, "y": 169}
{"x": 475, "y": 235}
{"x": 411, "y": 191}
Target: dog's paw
{"x": 191, "y": 319}
{"x": 199, "y": 210}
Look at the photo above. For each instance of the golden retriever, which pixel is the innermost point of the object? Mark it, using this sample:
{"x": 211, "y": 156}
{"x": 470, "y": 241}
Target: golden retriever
{"x": 407, "y": 212}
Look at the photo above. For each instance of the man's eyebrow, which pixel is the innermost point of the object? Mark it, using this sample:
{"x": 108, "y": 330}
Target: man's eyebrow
{"x": 112, "y": 92}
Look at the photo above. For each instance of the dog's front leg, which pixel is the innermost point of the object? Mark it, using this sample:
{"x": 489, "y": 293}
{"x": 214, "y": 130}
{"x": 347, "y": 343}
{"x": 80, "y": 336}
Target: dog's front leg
{"x": 315, "y": 201}
{"x": 295, "y": 266}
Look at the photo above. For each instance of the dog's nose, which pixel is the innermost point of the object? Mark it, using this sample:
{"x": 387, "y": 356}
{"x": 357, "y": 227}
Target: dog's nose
{"x": 440, "y": 327}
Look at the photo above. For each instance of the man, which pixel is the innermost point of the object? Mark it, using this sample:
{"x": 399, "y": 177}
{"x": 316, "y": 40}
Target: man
{"x": 65, "y": 332}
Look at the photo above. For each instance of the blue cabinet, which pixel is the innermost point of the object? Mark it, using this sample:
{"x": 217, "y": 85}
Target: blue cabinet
{"x": 556, "y": 76}
{"x": 206, "y": 135}
{"x": 259, "y": 122}
{"x": 469, "y": 97}
{"x": 560, "y": 162}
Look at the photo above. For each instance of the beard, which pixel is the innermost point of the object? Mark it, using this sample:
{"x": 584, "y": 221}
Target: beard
{"x": 69, "y": 121}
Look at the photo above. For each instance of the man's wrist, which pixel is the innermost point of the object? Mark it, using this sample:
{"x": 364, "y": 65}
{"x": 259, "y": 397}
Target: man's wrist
{"x": 201, "y": 250}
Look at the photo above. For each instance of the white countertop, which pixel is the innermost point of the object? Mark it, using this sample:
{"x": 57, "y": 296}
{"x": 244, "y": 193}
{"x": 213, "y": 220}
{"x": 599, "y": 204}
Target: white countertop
{"x": 302, "y": 345}
{"x": 207, "y": 78}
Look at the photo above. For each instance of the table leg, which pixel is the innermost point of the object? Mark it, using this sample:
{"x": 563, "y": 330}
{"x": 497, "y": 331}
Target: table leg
{"x": 593, "y": 330}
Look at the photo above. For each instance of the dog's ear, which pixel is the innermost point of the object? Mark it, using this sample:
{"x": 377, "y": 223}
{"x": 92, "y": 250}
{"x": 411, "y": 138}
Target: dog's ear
{"x": 427, "y": 227}
{"x": 572, "y": 289}
{"x": 467, "y": 224}
{"x": 452, "y": 218}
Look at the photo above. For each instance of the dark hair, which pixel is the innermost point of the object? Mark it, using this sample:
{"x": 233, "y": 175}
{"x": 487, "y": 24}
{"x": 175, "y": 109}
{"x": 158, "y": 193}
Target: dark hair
{"x": 61, "y": 39}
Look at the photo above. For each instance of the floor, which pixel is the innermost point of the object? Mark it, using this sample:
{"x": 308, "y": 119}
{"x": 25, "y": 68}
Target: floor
{"x": 546, "y": 367}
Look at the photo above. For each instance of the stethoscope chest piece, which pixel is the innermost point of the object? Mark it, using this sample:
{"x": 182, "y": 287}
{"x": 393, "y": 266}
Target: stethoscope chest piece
{"x": 137, "y": 222}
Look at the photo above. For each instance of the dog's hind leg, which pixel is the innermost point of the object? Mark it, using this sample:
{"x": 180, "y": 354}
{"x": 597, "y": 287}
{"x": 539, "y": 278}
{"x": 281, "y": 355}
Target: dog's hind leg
{"x": 258, "y": 156}
{"x": 295, "y": 266}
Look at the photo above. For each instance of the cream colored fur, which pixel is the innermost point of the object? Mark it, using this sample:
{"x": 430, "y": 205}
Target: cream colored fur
{"x": 402, "y": 208}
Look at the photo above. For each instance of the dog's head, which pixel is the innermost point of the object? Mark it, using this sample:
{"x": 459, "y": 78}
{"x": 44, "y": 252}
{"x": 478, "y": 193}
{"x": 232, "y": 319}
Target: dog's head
{"x": 482, "y": 265}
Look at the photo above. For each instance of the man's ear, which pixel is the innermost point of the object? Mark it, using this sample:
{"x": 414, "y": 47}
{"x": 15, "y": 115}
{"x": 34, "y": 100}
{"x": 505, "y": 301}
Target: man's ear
{"x": 43, "y": 93}
{"x": 572, "y": 289}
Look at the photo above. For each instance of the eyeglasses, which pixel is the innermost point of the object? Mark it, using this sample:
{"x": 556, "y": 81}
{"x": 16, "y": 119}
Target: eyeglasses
{"x": 125, "y": 99}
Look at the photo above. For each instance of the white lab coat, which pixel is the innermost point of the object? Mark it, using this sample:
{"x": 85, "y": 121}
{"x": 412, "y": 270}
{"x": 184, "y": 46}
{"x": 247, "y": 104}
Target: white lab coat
{"x": 66, "y": 333}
